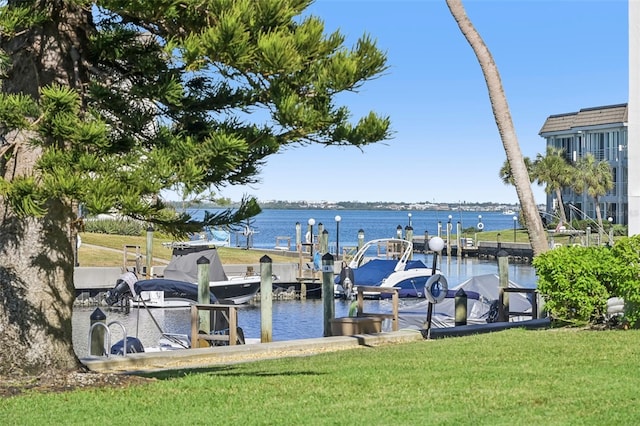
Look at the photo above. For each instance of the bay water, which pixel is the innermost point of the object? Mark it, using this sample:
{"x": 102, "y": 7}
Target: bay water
{"x": 273, "y": 223}
{"x": 299, "y": 319}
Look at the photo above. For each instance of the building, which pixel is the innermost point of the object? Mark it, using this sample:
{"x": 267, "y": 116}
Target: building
{"x": 601, "y": 131}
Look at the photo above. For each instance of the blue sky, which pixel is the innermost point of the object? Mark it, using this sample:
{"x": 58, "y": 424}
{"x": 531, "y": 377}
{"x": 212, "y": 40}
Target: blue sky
{"x": 554, "y": 57}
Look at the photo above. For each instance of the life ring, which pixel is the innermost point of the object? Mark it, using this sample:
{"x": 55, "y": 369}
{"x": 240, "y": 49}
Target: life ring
{"x": 480, "y": 226}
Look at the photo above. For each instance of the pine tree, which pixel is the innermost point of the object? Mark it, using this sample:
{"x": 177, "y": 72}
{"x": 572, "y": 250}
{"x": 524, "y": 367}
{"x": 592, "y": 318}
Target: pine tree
{"x": 107, "y": 104}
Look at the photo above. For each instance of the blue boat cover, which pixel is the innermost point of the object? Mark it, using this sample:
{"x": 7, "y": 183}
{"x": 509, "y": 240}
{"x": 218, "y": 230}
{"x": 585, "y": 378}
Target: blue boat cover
{"x": 376, "y": 270}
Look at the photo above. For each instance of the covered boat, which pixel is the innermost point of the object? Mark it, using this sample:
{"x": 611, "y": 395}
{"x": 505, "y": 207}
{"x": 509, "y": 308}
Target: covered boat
{"x": 482, "y": 293}
{"x": 178, "y": 286}
{"x": 384, "y": 262}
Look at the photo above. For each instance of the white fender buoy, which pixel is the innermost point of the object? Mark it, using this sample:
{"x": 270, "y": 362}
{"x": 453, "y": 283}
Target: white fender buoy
{"x": 615, "y": 306}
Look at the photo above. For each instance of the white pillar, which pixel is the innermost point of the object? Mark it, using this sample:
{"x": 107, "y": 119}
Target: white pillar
{"x": 633, "y": 142}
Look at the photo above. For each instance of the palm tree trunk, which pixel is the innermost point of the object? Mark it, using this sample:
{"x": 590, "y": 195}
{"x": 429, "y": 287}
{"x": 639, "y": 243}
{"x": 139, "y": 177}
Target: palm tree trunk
{"x": 502, "y": 114}
{"x": 599, "y": 218}
{"x": 563, "y": 215}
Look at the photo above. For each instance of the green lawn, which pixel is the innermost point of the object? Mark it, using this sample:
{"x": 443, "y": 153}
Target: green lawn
{"x": 550, "y": 377}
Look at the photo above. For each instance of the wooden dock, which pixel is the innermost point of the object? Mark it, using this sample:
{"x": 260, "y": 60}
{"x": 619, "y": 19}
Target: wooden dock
{"x": 518, "y": 252}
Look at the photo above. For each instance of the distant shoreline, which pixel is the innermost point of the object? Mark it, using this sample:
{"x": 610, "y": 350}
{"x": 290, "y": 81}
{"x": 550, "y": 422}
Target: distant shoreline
{"x": 350, "y": 205}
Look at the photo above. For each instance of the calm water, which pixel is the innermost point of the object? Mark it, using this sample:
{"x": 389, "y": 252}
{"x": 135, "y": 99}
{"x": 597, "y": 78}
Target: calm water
{"x": 293, "y": 319}
{"x": 375, "y": 223}
{"x": 298, "y": 319}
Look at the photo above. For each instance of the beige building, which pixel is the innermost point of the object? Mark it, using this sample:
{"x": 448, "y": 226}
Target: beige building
{"x": 601, "y": 131}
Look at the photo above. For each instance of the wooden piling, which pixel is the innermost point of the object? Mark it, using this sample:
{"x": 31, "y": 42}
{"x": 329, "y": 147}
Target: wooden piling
{"x": 204, "y": 293}
{"x": 149, "y": 250}
{"x": 266, "y": 299}
{"x": 328, "y": 299}
{"x": 503, "y": 274}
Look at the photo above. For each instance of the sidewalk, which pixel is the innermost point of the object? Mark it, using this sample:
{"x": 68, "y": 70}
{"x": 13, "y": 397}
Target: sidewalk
{"x": 224, "y": 355}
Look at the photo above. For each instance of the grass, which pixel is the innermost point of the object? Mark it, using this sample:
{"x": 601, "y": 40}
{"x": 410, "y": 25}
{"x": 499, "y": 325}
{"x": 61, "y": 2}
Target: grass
{"x": 99, "y": 250}
{"x": 551, "y": 377}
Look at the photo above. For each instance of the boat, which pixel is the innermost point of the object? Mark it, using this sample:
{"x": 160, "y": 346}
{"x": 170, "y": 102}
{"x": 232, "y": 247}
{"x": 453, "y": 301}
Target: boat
{"x": 508, "y": 212}
{"x": 384, "y": 262}
{"x": 482, "y": 293}
{"x": 207, "y": 237}
{"x": 178, "y": 287}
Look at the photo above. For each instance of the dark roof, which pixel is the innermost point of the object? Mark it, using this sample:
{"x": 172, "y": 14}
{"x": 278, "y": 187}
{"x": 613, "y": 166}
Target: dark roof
{"x": 586, "y": 117}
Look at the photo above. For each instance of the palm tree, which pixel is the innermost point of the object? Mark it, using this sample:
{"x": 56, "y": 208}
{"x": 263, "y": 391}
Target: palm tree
{"x": 502, "y": 115}
{"x": 596, "y": 179}
{"x": 555, "y": 171}
{"x": 507, "y": 177}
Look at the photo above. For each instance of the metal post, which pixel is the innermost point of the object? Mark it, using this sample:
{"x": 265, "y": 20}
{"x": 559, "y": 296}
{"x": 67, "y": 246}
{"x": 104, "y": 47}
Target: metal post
{"x": 338, "y": 219}
{"x": 328, "y": 298}
{"x": 515, "y": 221}
{"x": 610, "y": 219}
{"x": 436, "y": 244}
{"x": 311, "y": 222}
{"x": 266, "y": 299}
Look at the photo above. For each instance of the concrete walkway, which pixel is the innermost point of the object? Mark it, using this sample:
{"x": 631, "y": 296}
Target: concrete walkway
{"x": 224, "y": 355}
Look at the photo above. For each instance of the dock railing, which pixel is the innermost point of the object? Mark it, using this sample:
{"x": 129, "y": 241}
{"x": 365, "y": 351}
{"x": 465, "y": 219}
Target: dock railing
{"x": 229, "y": 312}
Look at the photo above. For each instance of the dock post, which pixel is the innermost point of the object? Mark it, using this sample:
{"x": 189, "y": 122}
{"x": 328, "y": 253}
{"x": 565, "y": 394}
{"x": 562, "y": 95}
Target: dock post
{"x": 439, "y": 229}
{"x": 461, "y": 308}
{"x": 458, "y": 240}
{"x": 503, "y": 274}
{"x": 204, "y": 293}
{"x": 328, "y": 298}
{"x": 449, "y": 227}
{"x": 360, "y": 238}
{"x": 97, "y": 338}
{"x": 409, "y": 237}
{"x": 149, "y": 250}
{"x": 266, "y": 299}
{"x": 324, "y": 241}
{"x": 298, "y": 236}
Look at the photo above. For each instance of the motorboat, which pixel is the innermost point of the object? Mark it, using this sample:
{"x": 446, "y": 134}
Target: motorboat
{"x": 178, "y": 287}
{"x": 384, "y": 262}
{"x": 217, "y": 237}
{"x": 482, "y": 292}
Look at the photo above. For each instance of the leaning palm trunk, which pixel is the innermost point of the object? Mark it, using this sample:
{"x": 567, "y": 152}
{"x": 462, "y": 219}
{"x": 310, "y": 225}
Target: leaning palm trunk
{"x": 506, "y": 129}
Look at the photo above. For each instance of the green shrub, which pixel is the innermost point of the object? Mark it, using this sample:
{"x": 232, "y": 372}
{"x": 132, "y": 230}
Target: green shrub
{"x": 114, "y": 226}
{"x": 626, "y": 252}
{"x": 577, "y": 281}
